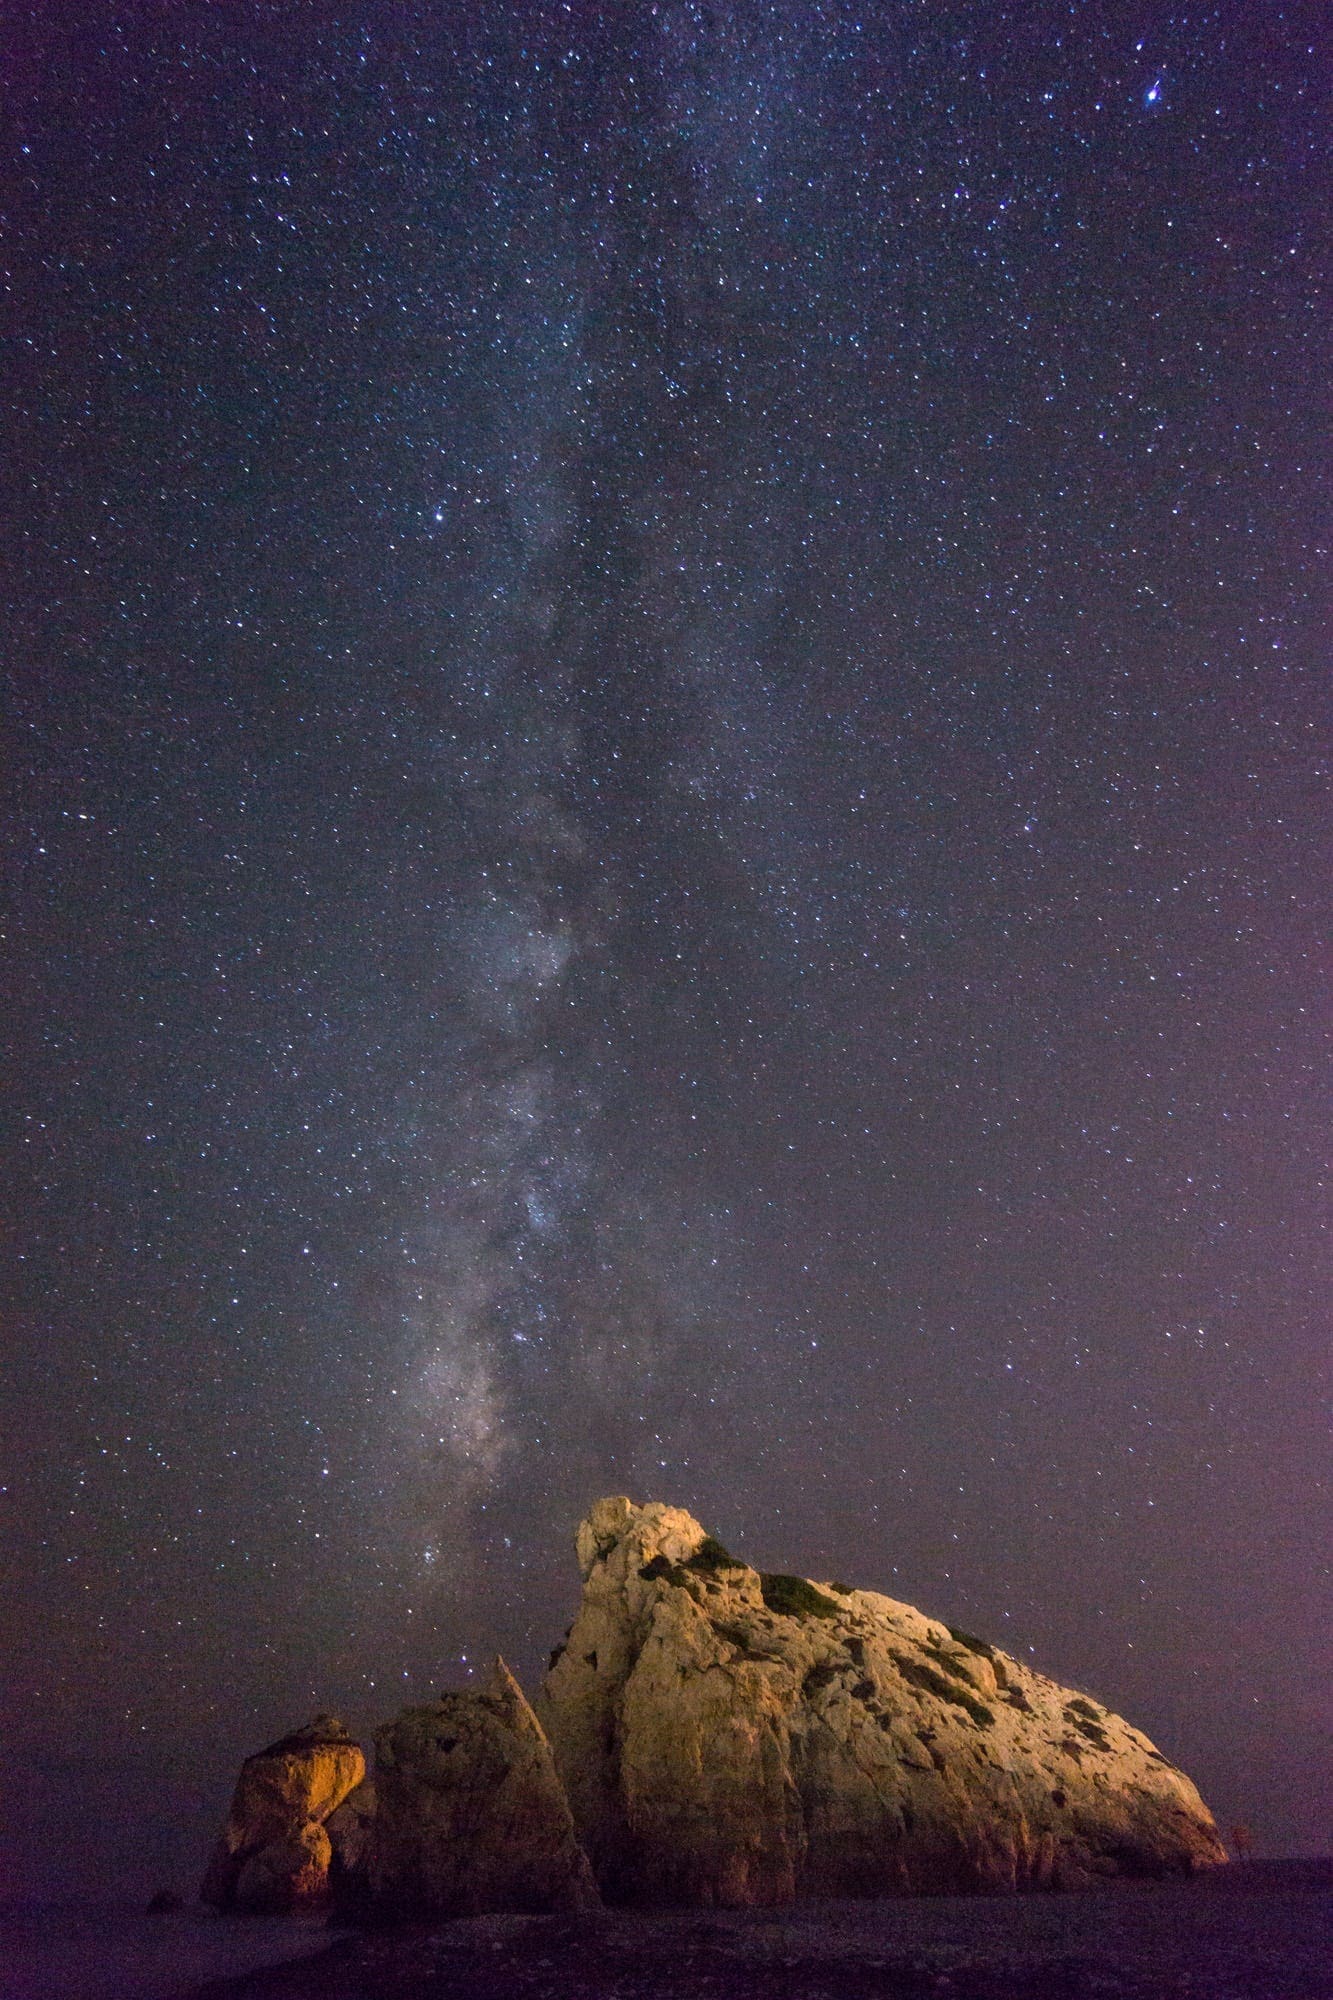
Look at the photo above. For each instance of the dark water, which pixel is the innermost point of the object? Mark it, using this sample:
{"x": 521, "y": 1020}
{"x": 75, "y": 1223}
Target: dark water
{"x": 1263, "y": 1932}
{"x": 106, "y": 1952}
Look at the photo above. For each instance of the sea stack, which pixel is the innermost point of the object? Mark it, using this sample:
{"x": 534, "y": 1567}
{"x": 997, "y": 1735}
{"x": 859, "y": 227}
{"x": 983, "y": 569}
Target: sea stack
{"x": 728, "y": 1737}
{"x": 274, "y": 1852}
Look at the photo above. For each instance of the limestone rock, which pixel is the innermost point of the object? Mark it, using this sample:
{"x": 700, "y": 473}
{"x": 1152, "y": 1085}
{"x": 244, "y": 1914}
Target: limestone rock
{"x": 470, "y": 1815}
{"x": 285, "y": 1874}
{"x": 732, "y": 1738}
{"x": 274, "y": 1853}
{"x": 349, "y": 1828}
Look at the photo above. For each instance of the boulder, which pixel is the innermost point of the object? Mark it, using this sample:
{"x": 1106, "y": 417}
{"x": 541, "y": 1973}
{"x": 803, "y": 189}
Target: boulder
{"x": 274, "y": 1854}
{"x": 731, "y": 1737}
{"x": 470, "y": 1816}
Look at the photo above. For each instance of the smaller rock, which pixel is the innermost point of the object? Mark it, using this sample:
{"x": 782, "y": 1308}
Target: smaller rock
{"x": 166, "y": 1903}
{"x": 273, "y": 1853}
{"x": 470, "y": 1816}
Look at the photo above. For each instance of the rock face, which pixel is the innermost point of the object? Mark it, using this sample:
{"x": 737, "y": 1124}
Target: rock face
{"x": 349, "y": 1827}
{"x": 470, "y": 1815}
{"x": 728, "y": 1738}
{"x": 274, "y": 1851}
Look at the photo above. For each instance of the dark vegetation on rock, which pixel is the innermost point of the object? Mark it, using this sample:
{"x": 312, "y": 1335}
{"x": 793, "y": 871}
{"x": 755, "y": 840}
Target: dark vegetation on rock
{"x": 793, "y": 1597}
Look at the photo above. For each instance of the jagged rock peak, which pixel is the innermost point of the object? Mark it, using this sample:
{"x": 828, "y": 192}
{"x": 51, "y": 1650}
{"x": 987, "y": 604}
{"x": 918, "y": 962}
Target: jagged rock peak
{"x": 727, "y": 1736}
{"x": 617, "y": 1524}
{"x": 469, "y": 1813}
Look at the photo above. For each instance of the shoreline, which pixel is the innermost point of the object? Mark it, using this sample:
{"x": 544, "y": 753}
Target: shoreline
{"x": 1255, "y": 1930}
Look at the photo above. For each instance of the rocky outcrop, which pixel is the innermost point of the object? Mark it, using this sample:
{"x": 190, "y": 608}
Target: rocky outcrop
{"x": 714, "y": 1735}
{"x": 727, "y": 1737}
{"x": 470, "y": 1815}
{"x": 274, "y": 1852}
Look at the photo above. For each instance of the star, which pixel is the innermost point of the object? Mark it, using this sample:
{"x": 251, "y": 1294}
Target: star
{"x": 480, "y": 729}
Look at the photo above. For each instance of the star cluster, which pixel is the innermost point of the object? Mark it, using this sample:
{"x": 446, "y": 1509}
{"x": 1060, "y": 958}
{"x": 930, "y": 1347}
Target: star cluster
{"x": 664, "y": 729}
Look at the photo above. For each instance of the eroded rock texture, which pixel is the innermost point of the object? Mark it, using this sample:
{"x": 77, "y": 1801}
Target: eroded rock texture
{"x": 274, "y": 1851}
{"x": 730, "y": 1738}
{"x": 349, "y": 1828}
{"x": 469, "y": 1814}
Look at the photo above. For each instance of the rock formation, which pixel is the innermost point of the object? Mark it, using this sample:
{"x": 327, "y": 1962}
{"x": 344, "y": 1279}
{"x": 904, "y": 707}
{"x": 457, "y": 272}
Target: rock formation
{"x": 727, "y": 1737}
{"x": 714, "y": 1735}
{"x": 274, "y": 1851}
{"x": 470, "y": 1815}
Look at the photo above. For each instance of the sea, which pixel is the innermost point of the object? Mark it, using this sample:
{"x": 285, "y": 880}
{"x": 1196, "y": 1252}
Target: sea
{"x": 104, "y": 1951}
{"x": 1258, "y": 1931}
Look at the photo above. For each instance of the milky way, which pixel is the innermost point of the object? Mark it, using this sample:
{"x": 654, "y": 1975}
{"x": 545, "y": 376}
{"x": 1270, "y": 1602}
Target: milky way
{"x": 664, "y": 722}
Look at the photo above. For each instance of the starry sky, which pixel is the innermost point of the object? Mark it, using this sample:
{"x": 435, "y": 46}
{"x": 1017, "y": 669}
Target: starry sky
{"x": 662, "y": 834}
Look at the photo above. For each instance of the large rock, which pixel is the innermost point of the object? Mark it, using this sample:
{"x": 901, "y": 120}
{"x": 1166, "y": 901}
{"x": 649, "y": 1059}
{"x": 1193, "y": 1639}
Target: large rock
{"x": 727, "y": 1737}
{"x": 470, "y": 1815}
{"x": 274, "y": 1852}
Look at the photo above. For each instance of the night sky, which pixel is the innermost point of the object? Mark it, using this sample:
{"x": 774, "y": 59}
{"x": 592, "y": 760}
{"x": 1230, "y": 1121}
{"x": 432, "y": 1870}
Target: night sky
{"x": 661, "y": 835}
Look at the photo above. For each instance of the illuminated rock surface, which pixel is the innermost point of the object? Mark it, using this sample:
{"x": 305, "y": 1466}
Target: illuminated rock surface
{"x": 731, "y": 1738}
{"x": 274, "y": 1852}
